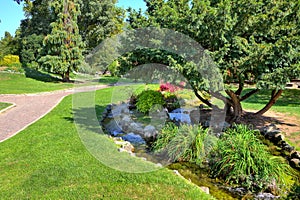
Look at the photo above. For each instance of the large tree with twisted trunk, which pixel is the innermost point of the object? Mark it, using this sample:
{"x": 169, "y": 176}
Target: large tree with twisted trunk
{"x": 252, "y": 42}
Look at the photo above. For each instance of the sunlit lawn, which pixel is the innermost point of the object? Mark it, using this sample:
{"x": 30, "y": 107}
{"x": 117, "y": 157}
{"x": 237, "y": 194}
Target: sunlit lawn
{"x": 49, "y": 161}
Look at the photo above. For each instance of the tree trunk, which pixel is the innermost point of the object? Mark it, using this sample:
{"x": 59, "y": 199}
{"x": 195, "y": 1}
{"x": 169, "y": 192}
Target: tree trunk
{"x": 235, "y": 103}
{"x": 66, "y": 77}
{"x": 275, "y": 95}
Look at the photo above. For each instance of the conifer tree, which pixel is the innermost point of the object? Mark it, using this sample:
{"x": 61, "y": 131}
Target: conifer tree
{"x": 63, "y": 46}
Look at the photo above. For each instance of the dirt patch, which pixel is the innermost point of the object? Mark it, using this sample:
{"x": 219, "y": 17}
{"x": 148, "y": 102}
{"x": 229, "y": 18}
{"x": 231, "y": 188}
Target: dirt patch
{"x": 3, "y": 68}
{"x": 290, "y": 125}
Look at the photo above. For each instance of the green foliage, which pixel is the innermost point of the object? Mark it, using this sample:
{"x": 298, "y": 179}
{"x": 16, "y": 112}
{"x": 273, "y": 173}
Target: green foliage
{"x": 8, "y": 45}
{"x": 185, "y": 143}
{"x": 31, "y": 50}
{"x": 149, "y": 99}
{"x": 99, "y": 20}
{"x": 63, "y": 47}
{"x": 239, "y": 157}
{"x": 258, "y": 45}
{"x": 113, "y": 67}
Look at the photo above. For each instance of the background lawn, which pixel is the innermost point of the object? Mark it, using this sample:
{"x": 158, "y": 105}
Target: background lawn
{"x": 34, "y": 82}
{"x": 288, "y": 103}
{"x": 48, "y": 160}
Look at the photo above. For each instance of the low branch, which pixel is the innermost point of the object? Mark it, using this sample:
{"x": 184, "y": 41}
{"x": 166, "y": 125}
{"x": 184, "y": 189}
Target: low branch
{"x": 249, "y": 94}
{"x": 205, "y": 101}
{"x": 274, "y": 96}
{"x": 240, "y": 89}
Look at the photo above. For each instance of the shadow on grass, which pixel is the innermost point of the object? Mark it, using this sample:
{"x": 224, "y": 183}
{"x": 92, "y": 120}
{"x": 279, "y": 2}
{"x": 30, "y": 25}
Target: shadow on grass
{"x": 289, "y": 97}
{"x": 40, "y": 76}
{"x": 85, "y": 117}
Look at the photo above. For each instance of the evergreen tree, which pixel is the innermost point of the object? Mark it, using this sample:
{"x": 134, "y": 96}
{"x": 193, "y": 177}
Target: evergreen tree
{"x": 63, "y": 46}
{"x": 99, "y": 20}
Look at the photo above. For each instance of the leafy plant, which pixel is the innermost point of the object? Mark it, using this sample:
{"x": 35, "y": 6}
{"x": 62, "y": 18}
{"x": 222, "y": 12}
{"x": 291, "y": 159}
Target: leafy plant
{"x": 9, "y": 59}
{"x": 241, "y": 158}
{"x": 185, "y": 143}
{"x": 147, "y": 99}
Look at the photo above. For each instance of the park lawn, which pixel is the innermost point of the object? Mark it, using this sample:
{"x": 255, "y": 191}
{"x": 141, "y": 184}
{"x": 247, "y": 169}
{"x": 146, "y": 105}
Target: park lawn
{"x": 4, "y": 105}
{"x": 18, "y": 84}
{"x": 288, "y": 103}
{"x": 48, "y": 160}
{"x": 11, "y": 83}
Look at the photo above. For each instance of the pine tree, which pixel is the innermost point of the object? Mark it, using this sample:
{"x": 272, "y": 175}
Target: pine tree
{"x": 63, "y": 46}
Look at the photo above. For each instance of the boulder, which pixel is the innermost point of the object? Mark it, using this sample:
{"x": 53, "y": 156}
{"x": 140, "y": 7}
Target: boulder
{"x": 295, "y": 163}
{"x": 133, "y": 138}
{"x": 150, "y": 132}
{"x": 296, "y": 155}
{"x": 125, "y": 146}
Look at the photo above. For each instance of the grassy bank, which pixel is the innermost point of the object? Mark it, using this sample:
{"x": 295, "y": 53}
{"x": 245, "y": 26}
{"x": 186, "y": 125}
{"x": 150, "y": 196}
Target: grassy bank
{"x": 48, "y": 160}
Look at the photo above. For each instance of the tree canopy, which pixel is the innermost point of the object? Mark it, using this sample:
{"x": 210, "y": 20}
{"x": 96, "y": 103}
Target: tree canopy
{"x": 254, "y": 42}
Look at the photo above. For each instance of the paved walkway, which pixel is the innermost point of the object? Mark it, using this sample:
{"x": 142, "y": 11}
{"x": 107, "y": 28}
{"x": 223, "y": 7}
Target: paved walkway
{"x": 31, "y": 107}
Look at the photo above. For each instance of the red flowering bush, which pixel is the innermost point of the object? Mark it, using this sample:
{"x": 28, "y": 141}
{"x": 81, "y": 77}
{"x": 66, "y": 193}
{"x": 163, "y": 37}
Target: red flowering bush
{"x": 168, "y": 87}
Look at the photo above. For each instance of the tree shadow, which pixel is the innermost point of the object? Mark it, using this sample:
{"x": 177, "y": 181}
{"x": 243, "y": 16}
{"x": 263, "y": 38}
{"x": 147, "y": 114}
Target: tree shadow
{"x": 290, "y": 97}
{"x": 40, "y": 76}
{"x": 261, "y": 121}
{"x": 88, "y": 118}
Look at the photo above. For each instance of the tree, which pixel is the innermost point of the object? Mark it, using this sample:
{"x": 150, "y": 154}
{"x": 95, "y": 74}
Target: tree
{"x": 255, "y": 42}
{"x": 63, "y": 46}
{"x": 99, "y": 20}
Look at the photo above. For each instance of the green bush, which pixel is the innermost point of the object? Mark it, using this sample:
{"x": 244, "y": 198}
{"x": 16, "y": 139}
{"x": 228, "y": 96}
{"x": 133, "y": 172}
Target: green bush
{"x": 185, "y": 143}
{"x": 147, "y": 99}
{"x": 241, "y": 158}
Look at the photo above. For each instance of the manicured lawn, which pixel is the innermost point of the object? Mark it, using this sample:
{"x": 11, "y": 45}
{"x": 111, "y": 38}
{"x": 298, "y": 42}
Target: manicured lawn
{"x": 4, "y": 105}
{"x": 19, "y": 83}
{"x": 288, "y": 103}
{"x": 43, "y": 82}
{"x": 49, "y": 161}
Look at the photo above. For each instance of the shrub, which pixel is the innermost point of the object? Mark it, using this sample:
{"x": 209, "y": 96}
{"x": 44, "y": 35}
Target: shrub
{"x": 168, "y": 87}
{"x": 147, "y": 99}
{"x": 185, "y": 143}
{"x": 171, "y": 101}
{"x": 10, "y": 60}
{"x": 241, "y": 158}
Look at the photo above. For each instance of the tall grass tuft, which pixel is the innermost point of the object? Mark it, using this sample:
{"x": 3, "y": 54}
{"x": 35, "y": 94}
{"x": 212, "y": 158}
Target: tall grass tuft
{"x": 185, "y": 143}
{"x": 239, "y": 157}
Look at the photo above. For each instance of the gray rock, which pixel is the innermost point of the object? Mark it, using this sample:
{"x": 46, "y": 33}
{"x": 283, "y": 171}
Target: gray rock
{"x": 205, "y": 189}
{"x": 150, "y": 132}
{"x": 265, "y": 196}
{"x": 295, "y": 154}
{"x": 295, "y": 163}
{"x": 133, "y": 138}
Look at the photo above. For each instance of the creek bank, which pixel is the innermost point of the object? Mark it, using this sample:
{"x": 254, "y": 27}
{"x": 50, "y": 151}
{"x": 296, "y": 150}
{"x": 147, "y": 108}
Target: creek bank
{"x": 122, "y": 124}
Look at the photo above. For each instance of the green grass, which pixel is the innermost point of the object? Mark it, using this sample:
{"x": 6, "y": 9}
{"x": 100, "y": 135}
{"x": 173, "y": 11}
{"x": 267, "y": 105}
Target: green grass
{"x": 49, "y": 161}
{"x": 4, "y": 105}
{"x": 288, "y": 103}
{"x": 19, "y": 83}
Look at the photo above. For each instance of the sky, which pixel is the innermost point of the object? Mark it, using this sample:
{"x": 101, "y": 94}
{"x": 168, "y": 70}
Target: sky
{"x": 11, "y": 13}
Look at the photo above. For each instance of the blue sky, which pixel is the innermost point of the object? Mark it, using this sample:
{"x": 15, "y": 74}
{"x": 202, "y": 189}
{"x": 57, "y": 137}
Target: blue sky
{"x": 11, "y": 13}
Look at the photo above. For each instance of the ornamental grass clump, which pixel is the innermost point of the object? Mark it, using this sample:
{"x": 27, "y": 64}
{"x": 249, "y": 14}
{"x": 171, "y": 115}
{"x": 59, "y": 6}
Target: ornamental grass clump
{"x": 239, "y": 157}
{"x": 184, "y": 143}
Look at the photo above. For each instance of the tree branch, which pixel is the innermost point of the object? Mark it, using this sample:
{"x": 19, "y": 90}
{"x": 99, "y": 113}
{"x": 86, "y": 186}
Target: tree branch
{"x": 249, "y": 94}
{"x": 205, "y": 101}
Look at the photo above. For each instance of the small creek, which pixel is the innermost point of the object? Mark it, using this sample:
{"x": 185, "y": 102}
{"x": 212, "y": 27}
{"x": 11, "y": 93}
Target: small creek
{"x": 119, "y": 121}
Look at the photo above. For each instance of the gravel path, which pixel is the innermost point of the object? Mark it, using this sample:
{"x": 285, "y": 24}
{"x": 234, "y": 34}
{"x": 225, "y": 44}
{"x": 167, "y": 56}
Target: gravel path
{"x": 31, "y": 107}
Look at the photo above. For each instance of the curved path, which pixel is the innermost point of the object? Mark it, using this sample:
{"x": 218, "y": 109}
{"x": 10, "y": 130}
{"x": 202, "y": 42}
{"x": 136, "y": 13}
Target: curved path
{"x": 31, "y": 107}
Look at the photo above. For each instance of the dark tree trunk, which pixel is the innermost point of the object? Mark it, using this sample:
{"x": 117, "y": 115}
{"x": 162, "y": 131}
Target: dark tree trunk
{"x": 66, "y": 77}
{"x": 235, "y": 104}
{"x": 275, "y": 95}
